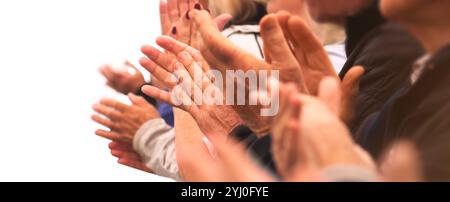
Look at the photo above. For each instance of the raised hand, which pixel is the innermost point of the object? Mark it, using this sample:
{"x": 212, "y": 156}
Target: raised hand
{"x": 219, "y": 52}
{"x": 214, "y": 119}
{"x": 123, "y": 81}
{"x": 318, "y": 138}
{"x": 307, "y": 50}
{"x": 123, "y": 120}
{"x": 284, "y": 130}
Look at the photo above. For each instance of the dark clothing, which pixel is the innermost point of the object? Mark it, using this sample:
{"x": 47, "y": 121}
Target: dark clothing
{"x": 262, "y": 151}
{"x": 386, "y": 51}
{"x": 421, "y": 113}
{"x": 149, "y": 99}
{"x": 260, "y": 148}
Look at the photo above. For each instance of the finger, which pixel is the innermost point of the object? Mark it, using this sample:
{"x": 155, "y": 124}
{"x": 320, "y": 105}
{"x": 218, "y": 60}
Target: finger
{"x": 195, "y": 40}
{"x": 283, "y": 19}
{"x": 285, "y": 112}
{"x": 188, "y": 85}
{"x": 177, "y": 99}
{"x": 137, "y": 100}
{"x": 209, "y": 32}
{"x": 330, "y": 94}
{"x": 172, "y": 8}
{"x": 303, "y": 35}
{"x": 177, "y": 48}
{"x": 164, "y": 17}
{"x": 183, "y": 6}
{"x": 350, "y": 83}
{"x": 125, "y": 155}
{"x": 164, "y": 60}
{"x": 218, "y": 50}
{"x": 107, "y": 111}
{"x": 114, "y": 145}
{"x": 184, "y": 29}
{"x": 108, "y": 73}
{"x": 186, "y": 54}
{"x": 350, "y": 91}
{"x": 169, "y": 44}
{"x": 275, "y": 44}
{"x": 161, "y": 74}
{"x": 114, "y": 104}
{"x": 110, "y": 135}
{"x": 102, "y": 121}
{"x": 222, "y": 20}
{"x": 308, "y": 49}
{"x": 195, "y": 69}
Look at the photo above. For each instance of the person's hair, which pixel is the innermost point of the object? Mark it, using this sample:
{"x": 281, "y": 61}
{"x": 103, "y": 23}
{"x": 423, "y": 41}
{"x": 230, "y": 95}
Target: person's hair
{"x": 243, "y": 11}
{"x": 331, "y": 33}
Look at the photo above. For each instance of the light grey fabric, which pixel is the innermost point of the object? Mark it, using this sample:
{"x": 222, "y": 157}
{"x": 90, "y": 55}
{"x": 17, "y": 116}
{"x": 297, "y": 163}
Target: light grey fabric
{"x": 347, "y": 173}
{"x": 155, "y": 143}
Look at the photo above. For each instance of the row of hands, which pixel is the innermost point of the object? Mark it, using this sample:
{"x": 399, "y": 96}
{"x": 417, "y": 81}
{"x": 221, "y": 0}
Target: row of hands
{"x": 309, "y": 133}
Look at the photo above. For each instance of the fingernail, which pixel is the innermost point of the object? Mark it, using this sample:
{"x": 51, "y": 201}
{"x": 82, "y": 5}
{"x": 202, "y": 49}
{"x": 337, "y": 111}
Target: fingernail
{"x": 174, "y": 30}
{"x": 187, "y": 14}
{"x": 198, "y": 6}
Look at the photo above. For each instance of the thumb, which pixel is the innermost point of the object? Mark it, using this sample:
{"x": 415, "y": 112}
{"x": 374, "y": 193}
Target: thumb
{"x": 137, "y": 100}
{"x": 330, "y": 94}
{"x": 350, "y": 90}
{"x": 222, "y": 20}
{"x": 275, "y": 44}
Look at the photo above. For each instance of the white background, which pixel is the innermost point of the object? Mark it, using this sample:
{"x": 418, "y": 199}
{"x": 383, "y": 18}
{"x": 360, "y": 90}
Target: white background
{"x": 50, "y": 51}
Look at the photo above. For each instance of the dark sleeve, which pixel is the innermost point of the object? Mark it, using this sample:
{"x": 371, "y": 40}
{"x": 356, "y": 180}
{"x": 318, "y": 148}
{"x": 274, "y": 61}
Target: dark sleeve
{"x": 259, "y": 148}
{"x": 387, "y": 55}
{"x": 433, "y": 142}
{"x": 244, "y": 135}
{"x": 149, "y": 99}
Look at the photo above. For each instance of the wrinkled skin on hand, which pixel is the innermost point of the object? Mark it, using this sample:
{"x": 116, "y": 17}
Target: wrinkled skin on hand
{"x": 123, "y": 120}
{"x": 213, "y": 119}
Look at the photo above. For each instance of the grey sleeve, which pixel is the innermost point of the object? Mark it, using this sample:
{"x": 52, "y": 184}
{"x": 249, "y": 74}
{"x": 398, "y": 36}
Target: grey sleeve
{"x": 348, "y": 173}
{"x": 155, "y": 143}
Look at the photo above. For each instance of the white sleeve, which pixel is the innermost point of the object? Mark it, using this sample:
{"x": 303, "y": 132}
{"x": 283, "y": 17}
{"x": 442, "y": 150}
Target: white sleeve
{"x": 155, "y": 143}
{"x": 337, "y": 55}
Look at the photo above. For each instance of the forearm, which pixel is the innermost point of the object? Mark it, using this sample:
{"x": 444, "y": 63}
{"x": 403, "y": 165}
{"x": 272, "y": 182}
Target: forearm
{"x": 188, "y": 140}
